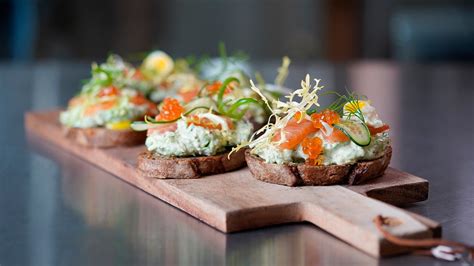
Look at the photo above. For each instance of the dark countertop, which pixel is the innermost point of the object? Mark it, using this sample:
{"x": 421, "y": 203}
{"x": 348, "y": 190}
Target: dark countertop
{"x": 57, "y": 209}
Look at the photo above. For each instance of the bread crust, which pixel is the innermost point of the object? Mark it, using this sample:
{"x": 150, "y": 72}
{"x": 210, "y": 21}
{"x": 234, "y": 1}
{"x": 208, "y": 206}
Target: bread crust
{"x": 300, "y": 174}
{"x": 153, "y": 165}
{"x": 98, "y": 137}
{"x": 367, "y": 170}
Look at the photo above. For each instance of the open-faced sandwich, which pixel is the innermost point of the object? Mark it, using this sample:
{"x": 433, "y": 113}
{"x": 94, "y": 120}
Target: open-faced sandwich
{"x": 168, "y": 76}
{"x": 101, "y": 114}
{"x": 309, "y": 145}
{"x": 183, "y": 77}
{"x": 192, "y": 140}
{"x": 187, "y": 79}
{"x": 238, "y": 88}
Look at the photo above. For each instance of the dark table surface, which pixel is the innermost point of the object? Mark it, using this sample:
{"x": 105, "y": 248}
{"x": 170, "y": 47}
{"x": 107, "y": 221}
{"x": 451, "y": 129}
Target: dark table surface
{"x": 57, "y": 209}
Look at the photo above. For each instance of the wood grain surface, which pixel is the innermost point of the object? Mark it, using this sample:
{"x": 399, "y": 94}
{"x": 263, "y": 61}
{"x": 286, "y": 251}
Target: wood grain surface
{"x": 236, "y": 201}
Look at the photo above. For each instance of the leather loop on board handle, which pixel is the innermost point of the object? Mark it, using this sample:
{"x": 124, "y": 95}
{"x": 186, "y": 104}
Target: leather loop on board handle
{"x": 416, "y": 244}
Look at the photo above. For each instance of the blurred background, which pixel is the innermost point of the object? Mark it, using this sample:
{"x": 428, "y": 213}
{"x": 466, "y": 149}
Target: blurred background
{"x": 334, "y": 31}
{"x": 55, "y": 209}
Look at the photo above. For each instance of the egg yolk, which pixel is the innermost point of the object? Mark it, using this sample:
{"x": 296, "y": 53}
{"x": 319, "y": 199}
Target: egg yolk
{"x": 160, "y": 64}
{"x": 351, "y": 107}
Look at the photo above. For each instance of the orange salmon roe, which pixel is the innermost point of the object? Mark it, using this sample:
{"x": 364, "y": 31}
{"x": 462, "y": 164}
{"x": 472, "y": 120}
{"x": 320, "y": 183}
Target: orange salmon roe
{"x": 312, "y": 147}
{"x": 329, "y": 116}
{"x": 203, "y": 122}
{"x": 138, "y": 99}
{"x": 109, "y": 91}
{"x": 170, "y": 110}
{"x": 206, "y": 123}
{"x": 214, "y": 88}
{"x": 317, "y": 161}
{"x": 298, "y": 116}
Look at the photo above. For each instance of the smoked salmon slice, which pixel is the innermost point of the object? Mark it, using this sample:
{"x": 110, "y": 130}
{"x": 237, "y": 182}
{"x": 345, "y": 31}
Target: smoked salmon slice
{"x": 162, "y": 128}
{"x": 294, "y": 133}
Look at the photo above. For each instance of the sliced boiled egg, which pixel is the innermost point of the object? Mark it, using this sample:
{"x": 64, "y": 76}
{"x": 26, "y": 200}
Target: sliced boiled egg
{"x": 368, "y": 111}
{"x": 351, "y": 107}
{"x": 159, "y": 64}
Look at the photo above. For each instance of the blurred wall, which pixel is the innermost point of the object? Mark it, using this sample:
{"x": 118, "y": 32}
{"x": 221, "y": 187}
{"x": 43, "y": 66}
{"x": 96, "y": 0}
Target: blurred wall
{"x": 418, "y": 30}
{"x": 332, "y": 30}
{"x": 90, "y": 29}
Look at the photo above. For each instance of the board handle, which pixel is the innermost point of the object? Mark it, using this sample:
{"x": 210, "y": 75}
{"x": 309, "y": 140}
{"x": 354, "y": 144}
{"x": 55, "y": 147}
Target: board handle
{"x": 349, "y": 216}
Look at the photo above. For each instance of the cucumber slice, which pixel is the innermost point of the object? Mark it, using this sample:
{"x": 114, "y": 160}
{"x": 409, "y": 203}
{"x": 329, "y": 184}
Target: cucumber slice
{"x": 356, "y": 131}
{"x": 139, "y": 126}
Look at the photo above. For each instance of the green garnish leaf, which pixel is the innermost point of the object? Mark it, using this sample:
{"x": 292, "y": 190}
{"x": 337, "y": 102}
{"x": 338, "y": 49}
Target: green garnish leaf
{"x": 352, "y": 98}
{"x": 220, "y": 94}
{"x": 197, "y": 108}
{"x": 203, "y": 88}
{"x": 241, "y": 102}
{"x": 150, "y": 120}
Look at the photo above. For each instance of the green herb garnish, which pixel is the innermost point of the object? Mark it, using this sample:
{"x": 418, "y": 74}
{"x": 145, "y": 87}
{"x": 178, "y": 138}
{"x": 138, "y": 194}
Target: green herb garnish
{"x": 233, "y": 110}
{"x": 150, "y": 120}
{"x": 353, "y": 99}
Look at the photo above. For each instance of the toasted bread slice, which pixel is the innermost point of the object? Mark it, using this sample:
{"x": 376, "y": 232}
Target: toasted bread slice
{"x": 300, "y": 174}
{"x": 153, "y": 165}
{"x": 103, "y": 137}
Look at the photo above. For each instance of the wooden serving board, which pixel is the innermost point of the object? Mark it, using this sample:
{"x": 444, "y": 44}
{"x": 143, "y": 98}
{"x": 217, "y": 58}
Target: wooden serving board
{"x": 236, "y": 201}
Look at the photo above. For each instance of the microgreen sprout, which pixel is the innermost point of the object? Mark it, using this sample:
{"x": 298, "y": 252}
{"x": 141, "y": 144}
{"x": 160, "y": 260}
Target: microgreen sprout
{"x": 283, "y": 71}
{"x": 353, "y": 108}
{"x": 282, "y": 113}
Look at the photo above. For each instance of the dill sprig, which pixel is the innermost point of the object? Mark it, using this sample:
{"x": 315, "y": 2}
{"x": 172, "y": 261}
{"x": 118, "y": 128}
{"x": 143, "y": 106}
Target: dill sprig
{"x": 350, "y": 98}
